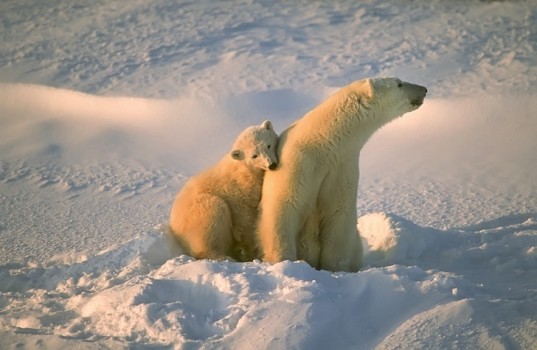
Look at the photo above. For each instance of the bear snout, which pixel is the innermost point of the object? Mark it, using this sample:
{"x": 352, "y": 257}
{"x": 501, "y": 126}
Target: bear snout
{"x": 272, "y": 165}
{"x": 416, "y": 93}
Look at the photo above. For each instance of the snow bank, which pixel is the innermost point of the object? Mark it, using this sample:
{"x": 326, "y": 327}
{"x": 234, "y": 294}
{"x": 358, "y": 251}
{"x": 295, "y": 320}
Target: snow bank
{"x": 388, "y": 242}
{"x": 142, "y": 292}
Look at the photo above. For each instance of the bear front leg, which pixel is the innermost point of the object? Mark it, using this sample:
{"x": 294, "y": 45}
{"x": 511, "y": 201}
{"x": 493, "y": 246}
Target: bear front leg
{"x": 288, "y": 200}
{"x": 341, "y": 246}
{"x": 287, "y": 223}
{"x": 277, "y": 231}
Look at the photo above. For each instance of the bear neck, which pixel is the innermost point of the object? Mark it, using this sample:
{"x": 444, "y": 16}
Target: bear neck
{"x": 352, "y": 121}
{"x": 371, "y": 122}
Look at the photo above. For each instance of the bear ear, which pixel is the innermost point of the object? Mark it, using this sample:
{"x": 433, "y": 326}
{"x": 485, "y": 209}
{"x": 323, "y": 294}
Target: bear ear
{"x": 237, "y": 154}
{"x": 369, "y": 87}
{"x": 266, "y": 125}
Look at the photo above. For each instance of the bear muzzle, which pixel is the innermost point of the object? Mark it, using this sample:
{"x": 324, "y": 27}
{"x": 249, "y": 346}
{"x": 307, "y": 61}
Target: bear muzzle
{"x": 416, "y": 93}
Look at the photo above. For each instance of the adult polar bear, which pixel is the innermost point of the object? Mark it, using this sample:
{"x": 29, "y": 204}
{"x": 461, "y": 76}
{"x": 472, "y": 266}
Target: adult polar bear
{"x": 308, "y": 204}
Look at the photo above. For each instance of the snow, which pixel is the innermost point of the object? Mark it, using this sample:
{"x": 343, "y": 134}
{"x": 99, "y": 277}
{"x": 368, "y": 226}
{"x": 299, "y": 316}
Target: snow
{"x": 107, "y": 108}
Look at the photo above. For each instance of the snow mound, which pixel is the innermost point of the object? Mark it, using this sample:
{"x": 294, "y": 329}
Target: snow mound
{"x": 145, "y": 291}
{"x": 390, "y": 239}
{"x": 506, "y": 244}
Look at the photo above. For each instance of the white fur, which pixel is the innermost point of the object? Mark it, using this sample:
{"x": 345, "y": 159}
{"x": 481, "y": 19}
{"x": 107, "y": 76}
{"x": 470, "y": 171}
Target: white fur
{"x": 215, "y": 214}
{"x": 308, "y": 205}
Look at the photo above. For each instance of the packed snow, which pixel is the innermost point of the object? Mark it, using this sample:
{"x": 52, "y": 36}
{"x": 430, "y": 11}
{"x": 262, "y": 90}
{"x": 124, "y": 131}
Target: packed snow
{"x": 108, "y": 107}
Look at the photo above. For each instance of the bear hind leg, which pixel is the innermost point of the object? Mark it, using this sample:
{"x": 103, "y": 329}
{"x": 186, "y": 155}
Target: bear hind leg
{"x": 213, "y": 238}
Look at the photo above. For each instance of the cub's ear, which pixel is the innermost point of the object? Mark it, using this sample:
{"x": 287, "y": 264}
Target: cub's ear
{"x": 237, "y": 154}
{"x": 267, "y": 125}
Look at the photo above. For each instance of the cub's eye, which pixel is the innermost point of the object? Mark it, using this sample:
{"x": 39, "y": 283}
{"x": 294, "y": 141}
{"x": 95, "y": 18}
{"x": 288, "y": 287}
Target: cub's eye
{"x": 254, "y": 156}
{"x": 400, "y": 84}
{"x": 268, "y": 146}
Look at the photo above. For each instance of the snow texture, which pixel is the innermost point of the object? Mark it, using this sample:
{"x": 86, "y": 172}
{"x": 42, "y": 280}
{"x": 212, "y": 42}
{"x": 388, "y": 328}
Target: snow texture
{"x": 108, "y": 107}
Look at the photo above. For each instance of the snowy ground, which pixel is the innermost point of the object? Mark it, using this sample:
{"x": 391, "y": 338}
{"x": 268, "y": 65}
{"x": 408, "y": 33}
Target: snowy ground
{"x": 107, "y": 107}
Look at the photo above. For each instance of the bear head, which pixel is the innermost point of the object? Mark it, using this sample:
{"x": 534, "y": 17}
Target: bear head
{"x": 388, "y": 98}
{"x": 256, "y": 146}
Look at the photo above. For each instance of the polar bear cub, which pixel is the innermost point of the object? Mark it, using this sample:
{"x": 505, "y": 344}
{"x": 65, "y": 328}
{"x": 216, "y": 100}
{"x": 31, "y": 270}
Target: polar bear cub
{"x": 214, "y": 215}
{"x": 308, "y": 205}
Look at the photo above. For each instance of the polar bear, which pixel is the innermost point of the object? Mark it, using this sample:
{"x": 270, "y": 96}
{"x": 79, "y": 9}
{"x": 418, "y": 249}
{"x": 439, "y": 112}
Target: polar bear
{"x": 214, "y": 216}
{"x": 308, "y": 204}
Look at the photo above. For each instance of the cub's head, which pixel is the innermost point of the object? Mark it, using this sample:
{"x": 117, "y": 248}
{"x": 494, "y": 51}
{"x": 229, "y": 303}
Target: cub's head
{"x": 256, "y": 146}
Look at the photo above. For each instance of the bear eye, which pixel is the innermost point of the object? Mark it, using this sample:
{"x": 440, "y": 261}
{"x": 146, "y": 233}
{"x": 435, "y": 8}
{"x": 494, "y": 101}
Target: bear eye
{"x": 268, "y": 146}
{"x": 254, "y": 156}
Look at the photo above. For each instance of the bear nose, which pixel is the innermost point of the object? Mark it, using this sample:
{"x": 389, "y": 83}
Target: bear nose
{"x": 272, "y": 166}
